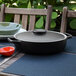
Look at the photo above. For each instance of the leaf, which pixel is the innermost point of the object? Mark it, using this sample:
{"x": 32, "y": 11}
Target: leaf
{"x": 73, "y": 24}
{"x": 29, "y": 5}
{"x": 53, "y": 24}
{"x": 74, "y": 8}
{"x": 0, "y": 1}
{"x": 54, "y": 15}
{"x": 40, "y": 6}
{"x": 39, "y": 23}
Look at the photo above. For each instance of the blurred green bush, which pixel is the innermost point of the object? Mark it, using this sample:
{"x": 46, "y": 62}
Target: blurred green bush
{"x": 40, "y": 4}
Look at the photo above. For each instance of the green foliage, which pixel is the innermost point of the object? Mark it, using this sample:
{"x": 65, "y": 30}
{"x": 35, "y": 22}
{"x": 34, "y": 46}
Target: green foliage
{"x": 22, "y": 5}
{"x": 54, "y": 15}
{"x": 53, "y": 24}
{"x": 0, "y": 1}
{"x": 8, "y": 17}
{"x": 29, "y": 5}
{"x": 39, "y": 23}
{"x": 41, "y": 4}
{"x": 40, "y": 7}
{"x": 51, "y": 2}
{"x": 73, "y": 24}
{"x": 22, "y": 1}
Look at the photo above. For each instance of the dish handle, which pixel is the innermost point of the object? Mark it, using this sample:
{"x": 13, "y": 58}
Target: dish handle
{"x": 68, "y": 35}
{"x": 13, "y": 40}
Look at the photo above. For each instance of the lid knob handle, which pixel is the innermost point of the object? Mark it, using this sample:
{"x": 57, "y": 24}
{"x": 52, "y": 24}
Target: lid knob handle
{"x": 39, "y": 31}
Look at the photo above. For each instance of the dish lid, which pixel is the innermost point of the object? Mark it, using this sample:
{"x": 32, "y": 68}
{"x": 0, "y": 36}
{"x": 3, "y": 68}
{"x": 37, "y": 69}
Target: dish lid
{"x": 40, "y": 36}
